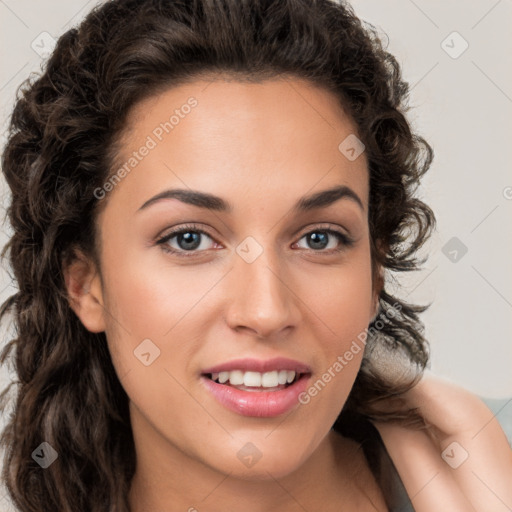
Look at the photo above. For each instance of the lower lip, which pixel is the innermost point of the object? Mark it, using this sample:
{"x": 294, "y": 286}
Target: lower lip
{"x": 261, "y": 404}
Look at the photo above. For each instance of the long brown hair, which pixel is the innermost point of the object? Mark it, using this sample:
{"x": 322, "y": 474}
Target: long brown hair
{"x": 61, "y": 147}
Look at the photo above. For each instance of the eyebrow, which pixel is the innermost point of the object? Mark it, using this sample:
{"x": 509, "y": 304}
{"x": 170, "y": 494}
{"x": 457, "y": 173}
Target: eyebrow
{"x": 208, "y": 201}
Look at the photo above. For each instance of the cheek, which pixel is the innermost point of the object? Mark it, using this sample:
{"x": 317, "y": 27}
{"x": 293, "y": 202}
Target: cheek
{"x": 154, "y": 334}
{"x": 341, "y": 297}
{"x": 345, "y": 313}
{"x": 342, "y": 308}
{"x": 148, "y": 305}
{"x": 150, "y": 296}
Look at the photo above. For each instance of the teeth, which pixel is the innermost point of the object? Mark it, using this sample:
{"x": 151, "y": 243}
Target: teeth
{"x": 236, "y": 378}
{"x": 252, "y": 379}
{"x": 270, "y": 379}
{"x": 282, "y": 376}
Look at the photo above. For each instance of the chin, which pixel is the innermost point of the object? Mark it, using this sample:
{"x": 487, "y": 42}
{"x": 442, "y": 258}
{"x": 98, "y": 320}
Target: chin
{"x": 266, "y": 464}
{"x": 260, "y": 472}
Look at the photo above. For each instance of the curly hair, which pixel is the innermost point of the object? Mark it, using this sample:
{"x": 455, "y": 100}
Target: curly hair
{"x": 61, "y": 146}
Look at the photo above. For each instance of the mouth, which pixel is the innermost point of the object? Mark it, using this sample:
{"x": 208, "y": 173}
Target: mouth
{"x": 255, "y": 388}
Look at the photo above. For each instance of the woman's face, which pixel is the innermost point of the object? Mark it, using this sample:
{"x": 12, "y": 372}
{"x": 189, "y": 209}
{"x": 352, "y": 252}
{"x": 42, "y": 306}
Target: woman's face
{"x": 254, "y": 287}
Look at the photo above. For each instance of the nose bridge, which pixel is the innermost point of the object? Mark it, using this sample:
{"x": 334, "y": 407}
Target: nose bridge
{"x": 262, "y": 300}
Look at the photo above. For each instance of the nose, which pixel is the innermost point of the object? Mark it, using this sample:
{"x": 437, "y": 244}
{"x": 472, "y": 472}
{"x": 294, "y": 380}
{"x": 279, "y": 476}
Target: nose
{"x": 262, "y": 300}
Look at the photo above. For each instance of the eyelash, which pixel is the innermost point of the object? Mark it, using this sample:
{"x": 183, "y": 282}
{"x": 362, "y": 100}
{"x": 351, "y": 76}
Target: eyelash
{"x": 346, "y": 242}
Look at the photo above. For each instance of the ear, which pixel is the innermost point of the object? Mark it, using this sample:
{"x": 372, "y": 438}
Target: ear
{"x": 85, "y": 292}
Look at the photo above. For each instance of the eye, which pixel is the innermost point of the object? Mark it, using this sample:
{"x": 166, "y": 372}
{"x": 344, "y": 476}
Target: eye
{"x": 187, "y": 239}
{"x": 327, "y": 240}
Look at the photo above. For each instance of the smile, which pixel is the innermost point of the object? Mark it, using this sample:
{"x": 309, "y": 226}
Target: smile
{"x": 254, "y": 388}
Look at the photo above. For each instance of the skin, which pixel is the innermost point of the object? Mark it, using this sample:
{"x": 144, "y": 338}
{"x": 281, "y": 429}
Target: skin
{"x": 261, "y": 147}
{"x": 476, "y": 471}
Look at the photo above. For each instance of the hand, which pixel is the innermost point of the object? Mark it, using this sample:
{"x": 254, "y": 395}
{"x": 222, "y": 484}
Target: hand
{"x": 475, "y": 472}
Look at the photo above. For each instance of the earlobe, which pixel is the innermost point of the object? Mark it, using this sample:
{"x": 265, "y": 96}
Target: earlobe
{"x": 85, "y": 292}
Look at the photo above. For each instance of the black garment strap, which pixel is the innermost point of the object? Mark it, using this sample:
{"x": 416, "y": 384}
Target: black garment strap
{"x": 363, "y": 431}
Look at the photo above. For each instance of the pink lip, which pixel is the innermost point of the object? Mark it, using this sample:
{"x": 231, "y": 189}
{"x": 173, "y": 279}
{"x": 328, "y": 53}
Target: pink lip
{"x": 262, "y": 404}
{"x": 257, "y": 365}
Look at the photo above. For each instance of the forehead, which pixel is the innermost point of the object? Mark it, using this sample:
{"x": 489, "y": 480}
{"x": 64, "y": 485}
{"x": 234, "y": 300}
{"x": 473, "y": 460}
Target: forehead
{"x": 280, "y": 135}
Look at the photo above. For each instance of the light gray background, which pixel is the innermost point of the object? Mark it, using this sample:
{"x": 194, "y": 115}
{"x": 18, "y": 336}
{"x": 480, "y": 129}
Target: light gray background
{"x": 462, "y": 106}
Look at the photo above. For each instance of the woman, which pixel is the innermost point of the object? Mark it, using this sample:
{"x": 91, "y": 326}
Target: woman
{"x": 206, "y": 197}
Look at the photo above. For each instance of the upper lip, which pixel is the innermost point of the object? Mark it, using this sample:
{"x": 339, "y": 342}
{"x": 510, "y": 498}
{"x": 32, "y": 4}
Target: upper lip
{"x": 260, "y": 365}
